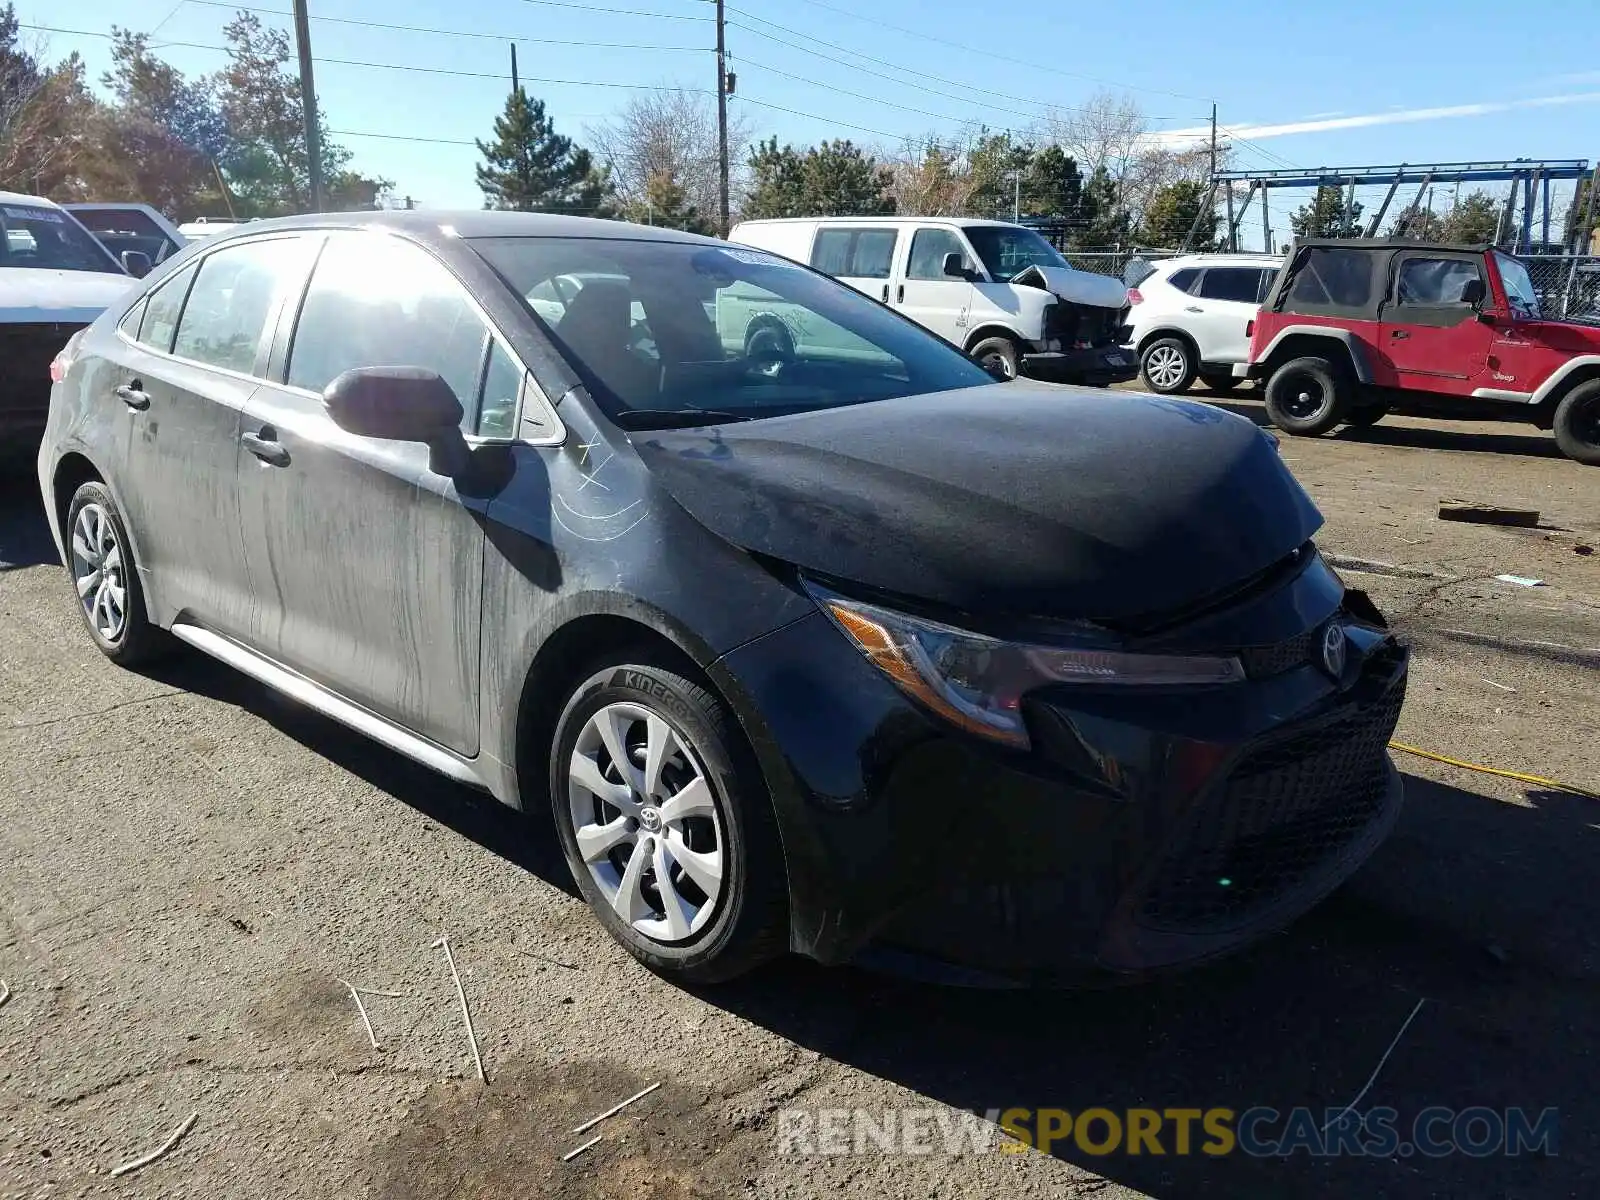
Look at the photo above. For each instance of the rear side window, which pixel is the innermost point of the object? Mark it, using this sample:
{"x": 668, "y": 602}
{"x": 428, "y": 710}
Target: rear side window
{"x": 1434, "y": 281}
{"x": 377, "y": 301}
{"x": 1184, "y": 280}
{"x": 235, "y": 298}
{"x": 854, "y": 253}
{"x": 161, "y": 311}
{"x": 928, "y": 249}
{"x": 1241, "y": 284}
{"x": 1331, "y": 277}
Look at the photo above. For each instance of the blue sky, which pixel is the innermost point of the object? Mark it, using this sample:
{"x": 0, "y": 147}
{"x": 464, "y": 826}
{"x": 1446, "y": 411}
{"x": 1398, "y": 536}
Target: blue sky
{"x": 1280, "y": 73}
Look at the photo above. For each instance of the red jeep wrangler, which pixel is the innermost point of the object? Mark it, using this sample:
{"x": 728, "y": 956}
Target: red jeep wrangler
{"x": 1352, "y": 329}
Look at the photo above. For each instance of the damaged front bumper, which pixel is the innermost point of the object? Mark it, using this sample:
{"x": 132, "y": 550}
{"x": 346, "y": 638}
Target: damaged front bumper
{"x": 1097, "y": 367}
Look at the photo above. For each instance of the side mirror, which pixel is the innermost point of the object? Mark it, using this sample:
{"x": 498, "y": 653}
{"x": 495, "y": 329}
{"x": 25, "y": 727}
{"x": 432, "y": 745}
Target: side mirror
{"x": 1472, "y": 292}
{"x": 1488, "y": 318}
{"x": 955, "y": 266}
{"x": 136, "y": 263}
{"x": 398, "y": 404}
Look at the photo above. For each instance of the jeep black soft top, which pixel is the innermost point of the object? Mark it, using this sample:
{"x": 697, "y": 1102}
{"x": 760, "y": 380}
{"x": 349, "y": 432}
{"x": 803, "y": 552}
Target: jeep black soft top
{"x": 1345, "y": 277}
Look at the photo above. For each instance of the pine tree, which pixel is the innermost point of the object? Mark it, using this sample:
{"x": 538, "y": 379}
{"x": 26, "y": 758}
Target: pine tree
{"x": 1171, "y": 214}
{"x": 1476, "y": 218}
{"x": 1328, "y": 215}
{"x": 666, "y": 204}
{"x": 1107, "y": 222}
{"x": 529, "y": 167}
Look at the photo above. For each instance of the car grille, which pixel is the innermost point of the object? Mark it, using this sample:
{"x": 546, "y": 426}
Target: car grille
{"x": 26, "y": 352}
{"x": 1282, "y": 813}
{"x": 1263, "y": 662}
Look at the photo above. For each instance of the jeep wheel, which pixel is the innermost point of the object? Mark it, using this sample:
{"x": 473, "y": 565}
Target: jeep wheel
{"x": 668, "y": 830}
{"x": 1307, "y": 397}
{"x": 1577, "y": 424}
{"x": 1168, "y": 365}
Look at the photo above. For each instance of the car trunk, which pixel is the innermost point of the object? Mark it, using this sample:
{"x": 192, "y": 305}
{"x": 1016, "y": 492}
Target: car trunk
{"x": 26, "y": 351}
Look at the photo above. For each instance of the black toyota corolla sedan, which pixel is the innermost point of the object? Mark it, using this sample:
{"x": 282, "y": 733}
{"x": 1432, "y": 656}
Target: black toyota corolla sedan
{"x": 808, "y": 634}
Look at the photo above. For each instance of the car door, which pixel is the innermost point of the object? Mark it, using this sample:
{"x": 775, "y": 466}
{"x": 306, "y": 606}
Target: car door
{"x": 1220, "y": 309}
{"x": 1429, "y": 328}
{"x": 859, "y": 256}
{"x": 375, "y": 558}
{"x": 185, "y": 379}
{"x": 927, "y": 295}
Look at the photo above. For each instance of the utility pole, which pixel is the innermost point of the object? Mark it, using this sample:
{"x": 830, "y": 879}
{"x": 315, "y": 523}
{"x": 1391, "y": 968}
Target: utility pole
{"x": 722, "y": 117}
{"x": 308, "y": 102}
{"x": 1213, "y": 144}
{"x": 516, "y": 81}
{"x": 1016, "y": 195}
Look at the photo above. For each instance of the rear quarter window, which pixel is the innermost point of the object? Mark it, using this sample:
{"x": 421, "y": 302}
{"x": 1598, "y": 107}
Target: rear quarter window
{"x": 1332, "y": 277}
{"x": 1184, "y": 280}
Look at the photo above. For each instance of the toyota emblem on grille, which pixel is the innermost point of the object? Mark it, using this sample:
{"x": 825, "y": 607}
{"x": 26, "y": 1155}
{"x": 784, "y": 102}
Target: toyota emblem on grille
{"x": 1333, "y": 648}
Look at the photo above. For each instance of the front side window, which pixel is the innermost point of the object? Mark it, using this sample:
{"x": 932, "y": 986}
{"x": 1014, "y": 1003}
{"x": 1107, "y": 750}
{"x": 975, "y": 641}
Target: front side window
{"x": 1434, "y": 281}
{"x": 377, "y": 301}
{"x": 120, "y": 229}
{"x": 502, "y": 387}
{"x": 684, "y": 332}
{"x": 48, "y": 239}
{"x": 1519, "y": 287}
{"x": 1239, "y": 284}
{"x": 928, "y": 250}
{"x": 161, "y": 311}
{"x": 1008, "y": 250}
{"x": 234, "y": 299}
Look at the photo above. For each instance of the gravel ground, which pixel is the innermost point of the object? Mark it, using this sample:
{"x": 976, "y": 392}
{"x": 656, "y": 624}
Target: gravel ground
{"x": 189, "y": 866}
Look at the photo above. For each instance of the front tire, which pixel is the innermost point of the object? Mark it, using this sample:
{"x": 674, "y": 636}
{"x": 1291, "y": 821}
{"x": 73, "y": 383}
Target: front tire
{"x": 668, "y": 830}
{"x": 100, "y": 564}
{"x": 1168, "y": 365}
{"x": 1307, "y": 397}
{"x": 999, "y": 356}
{"x": 1577, "y": 424}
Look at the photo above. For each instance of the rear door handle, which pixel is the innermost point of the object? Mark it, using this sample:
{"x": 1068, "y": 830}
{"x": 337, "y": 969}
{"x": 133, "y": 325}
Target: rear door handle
{"x": 266, "y": 447}
{"x": 133, "y": 395}
{"x": 886, "y": 293}
{"x": 1194, "y": 308}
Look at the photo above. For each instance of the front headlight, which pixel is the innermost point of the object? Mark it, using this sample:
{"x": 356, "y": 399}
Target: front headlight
{"x": 977, "y": 682}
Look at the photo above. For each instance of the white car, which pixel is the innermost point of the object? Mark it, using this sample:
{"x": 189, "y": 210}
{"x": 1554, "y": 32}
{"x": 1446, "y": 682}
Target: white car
{"x": 130, "y": 227}
{"x": 998, "y": 291}
{"x": 55, "y": 278}
{"x": 1190, "y": 317}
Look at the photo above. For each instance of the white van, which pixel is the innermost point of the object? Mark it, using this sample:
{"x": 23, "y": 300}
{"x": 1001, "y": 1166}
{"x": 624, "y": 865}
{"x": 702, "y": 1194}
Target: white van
{"x": 998, "y": 291}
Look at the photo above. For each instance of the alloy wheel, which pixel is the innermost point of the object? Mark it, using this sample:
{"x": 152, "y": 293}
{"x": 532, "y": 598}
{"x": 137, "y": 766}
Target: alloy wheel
{"x": 1164, "y": 366}
{"x": 646, "y": 821}
{"x": 99, "y": 571}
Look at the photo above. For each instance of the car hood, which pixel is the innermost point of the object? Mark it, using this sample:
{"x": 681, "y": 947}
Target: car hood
{"x": 32, "y": 295}
{"x": 1076, "y": 287}
{"x": 1009, "y": 499}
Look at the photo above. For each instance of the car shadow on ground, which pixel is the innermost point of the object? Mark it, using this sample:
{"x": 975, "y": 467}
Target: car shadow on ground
{"x": 1483, "y": 910}
{"x": 528, "y": 841}
{"x": 24, "y": 531}
{"x": 1532, "y": 443}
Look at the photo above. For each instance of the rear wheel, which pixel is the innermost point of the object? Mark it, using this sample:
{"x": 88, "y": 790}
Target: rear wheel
{"x": 1577, "y": 423}
{"x": 110, "y": 597}
{"x": 1168, "y": 365}
{"x": 1307, "y": 397}
{"x": 670, "y": 838}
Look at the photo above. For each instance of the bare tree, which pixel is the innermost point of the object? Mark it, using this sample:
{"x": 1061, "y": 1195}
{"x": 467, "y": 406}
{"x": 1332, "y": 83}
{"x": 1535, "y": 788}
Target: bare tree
{"x": 669, "y": 134}
{"x": 930, "y": 178}
{"x": 1108, "y": 130}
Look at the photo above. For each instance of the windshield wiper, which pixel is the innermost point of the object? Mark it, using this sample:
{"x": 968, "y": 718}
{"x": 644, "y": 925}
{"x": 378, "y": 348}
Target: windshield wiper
{"x": 677, "y": 418}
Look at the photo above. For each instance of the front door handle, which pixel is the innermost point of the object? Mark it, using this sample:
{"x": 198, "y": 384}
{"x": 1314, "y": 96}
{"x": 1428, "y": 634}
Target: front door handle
{"x": 267, "y": 448}
{"x": 133, "y": 395}
{"x": 900, "y": 294}
{"x": 1398, "y": 333}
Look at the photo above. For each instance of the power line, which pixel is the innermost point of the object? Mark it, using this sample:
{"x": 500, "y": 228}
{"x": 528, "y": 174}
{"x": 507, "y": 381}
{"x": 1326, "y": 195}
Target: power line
{"x": 795, "y": 112}
{"x": 749, "y": 62}
{"x": 616, "y": 12}
{"x": 1006, "y": 58}
{"x": 402, "y": 137}
{"x": 458, "y": 33}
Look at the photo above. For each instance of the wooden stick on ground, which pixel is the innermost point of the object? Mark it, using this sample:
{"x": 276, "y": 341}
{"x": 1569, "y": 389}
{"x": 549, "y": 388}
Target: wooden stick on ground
{"x": 615, "y": 1109}
{"x": 466, "y": 1013}
{"x": 165, "y": 1147}
{"x": 362, "y": 1009}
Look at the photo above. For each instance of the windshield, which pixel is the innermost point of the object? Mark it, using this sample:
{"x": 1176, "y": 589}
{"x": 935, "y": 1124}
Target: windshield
{"x": 119, "y": 229}
{"x": 672, "y": 333}
{"x": 47, "y": 238}
{"x": 1519, "y": 287}
{"x": 1007, "y": 250}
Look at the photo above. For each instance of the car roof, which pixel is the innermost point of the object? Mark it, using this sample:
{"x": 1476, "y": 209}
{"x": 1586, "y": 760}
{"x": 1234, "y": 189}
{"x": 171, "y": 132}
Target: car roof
{"x": 881, "y": 221}
{"x": 24, "y": 198}
{"x": 1393, "y": 244}
{"x": 468, "y": 223}
{"x": 1219, "y": 260}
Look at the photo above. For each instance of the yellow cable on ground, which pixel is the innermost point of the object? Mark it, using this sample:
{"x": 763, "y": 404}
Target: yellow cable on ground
{"x": 1540, "y": 780}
